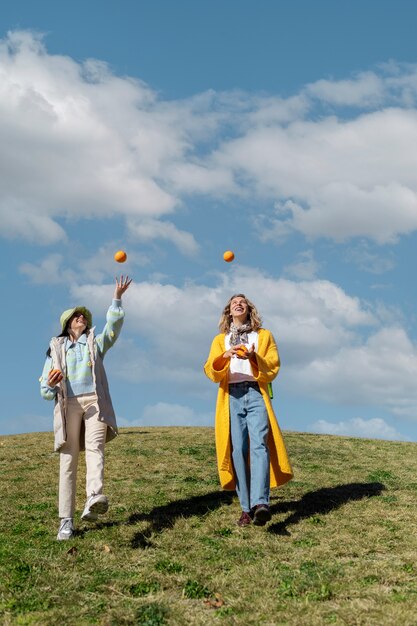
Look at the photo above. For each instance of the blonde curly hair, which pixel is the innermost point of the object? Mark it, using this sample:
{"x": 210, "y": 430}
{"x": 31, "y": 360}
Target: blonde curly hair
{"x": 254, "y": 319}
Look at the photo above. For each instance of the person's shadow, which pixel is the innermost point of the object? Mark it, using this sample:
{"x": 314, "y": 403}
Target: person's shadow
{"x": 321, "y": 502}
{"x": 162, "y": 517}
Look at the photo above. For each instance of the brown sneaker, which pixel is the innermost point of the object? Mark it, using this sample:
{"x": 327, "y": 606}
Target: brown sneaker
{"x": 244, "y": 520}
{"x": 261, "y": 514}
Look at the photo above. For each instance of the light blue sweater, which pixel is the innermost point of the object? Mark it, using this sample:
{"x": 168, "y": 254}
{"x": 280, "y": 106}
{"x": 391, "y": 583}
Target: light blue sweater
{"x": 79, "y": 373}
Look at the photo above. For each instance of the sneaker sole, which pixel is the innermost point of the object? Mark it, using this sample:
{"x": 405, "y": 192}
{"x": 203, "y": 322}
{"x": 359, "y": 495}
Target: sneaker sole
{"x": 96, "y": 509}
{"x": 262, "y": 517}
{"x": 89, "y": 516}
{"x": 99, "y": 507}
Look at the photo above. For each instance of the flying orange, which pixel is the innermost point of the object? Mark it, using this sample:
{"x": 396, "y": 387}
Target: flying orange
{"x": 120, "y": 256}
{"x": 228, "y": 256}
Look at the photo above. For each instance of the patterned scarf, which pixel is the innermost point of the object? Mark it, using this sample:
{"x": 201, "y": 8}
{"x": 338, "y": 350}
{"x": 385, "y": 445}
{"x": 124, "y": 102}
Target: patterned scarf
{"x": 239, "y": 334}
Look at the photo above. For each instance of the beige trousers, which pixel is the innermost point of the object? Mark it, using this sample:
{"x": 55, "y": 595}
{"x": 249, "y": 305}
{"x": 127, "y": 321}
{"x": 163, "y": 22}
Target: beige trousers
{"x": 81, "y": 409}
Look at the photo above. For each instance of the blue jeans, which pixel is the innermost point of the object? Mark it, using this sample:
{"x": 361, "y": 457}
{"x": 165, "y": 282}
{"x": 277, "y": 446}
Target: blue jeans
{"x": 249, "y": 428}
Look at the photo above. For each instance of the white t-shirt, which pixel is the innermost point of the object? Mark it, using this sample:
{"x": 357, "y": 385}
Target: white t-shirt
{"x": 240, "y": 369}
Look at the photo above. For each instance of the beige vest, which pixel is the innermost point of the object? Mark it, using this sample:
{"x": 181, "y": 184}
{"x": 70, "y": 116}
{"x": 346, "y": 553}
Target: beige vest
{"x": 106, "y": 411}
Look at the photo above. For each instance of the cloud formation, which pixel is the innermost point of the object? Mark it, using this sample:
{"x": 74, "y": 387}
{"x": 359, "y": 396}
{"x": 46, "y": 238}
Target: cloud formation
{"x": 166, "y": 414}
{"x": 333, "y": 347}
{"x": 375, "y": 428}
{"x": 380, "y": 371}
{"x": 336, "y": 160}
{"x": 150, "y": 229}
{"x": 80, "y": 143}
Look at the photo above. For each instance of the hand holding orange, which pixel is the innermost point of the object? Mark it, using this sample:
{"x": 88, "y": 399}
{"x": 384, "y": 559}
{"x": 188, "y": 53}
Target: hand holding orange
{"x": 54, "y": 377}
{"x": 242, "y": 350}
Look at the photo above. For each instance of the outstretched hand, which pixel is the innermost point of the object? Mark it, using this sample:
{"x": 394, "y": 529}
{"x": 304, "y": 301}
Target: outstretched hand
{"x": 122, "y": 285}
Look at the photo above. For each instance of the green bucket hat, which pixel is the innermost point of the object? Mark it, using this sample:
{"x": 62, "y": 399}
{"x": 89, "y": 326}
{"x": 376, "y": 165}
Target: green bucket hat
{"x": 65, "y": 317}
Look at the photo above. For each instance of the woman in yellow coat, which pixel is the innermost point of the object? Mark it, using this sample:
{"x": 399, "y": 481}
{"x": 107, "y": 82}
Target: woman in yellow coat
{"x": 251, "y": 454}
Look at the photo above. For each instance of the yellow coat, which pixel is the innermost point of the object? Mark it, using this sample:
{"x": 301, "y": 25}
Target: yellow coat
{"x": 268, "y": 365}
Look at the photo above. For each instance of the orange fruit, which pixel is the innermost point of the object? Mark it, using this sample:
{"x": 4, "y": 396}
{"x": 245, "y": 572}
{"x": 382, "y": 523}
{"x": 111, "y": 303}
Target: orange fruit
{"x": 120, "y": 256}
{"x": 228, "y": 256}
{"x": 242, "y": 350}
{"x": 55, "y": 371}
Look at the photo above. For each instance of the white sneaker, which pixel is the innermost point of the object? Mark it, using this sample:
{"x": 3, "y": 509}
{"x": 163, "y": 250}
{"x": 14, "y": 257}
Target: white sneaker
{"x": 96, "y": 505}
{"x": 66, "y": 529}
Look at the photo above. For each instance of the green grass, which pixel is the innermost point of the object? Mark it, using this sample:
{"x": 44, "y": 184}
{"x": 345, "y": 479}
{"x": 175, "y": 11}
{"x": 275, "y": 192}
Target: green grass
{"x": 341, "y": 547}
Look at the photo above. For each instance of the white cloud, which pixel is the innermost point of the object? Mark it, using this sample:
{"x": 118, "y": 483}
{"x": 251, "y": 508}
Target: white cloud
{"x": 79, "y": 142}
{"x": 178, "y": 323}
{"x": 310, "y": 319}
{"x": 336, "y": 179}
{"x": 379, "y": 371}
{"x": 166, "y": 414}
{"x": 77, "y": 139}
{"x": 305, "y": 268}
{"x": 149, "y": 229}
{"x": 49, "y": 271}
{"x": 333, "y": 348}
{"x": 345, "y": 210}
{"x": 370, "y": 261}
{"x": 23, "y": 219}
{"x": 366, "y": 89}
{"x": 375, "y": 428}
{"x": 270, "y": 111}
{"x": 82, "y": 142}
{"x": 395, "y": 84}
{"x": 28, "y": 424}
{"x": 66, "y": 269}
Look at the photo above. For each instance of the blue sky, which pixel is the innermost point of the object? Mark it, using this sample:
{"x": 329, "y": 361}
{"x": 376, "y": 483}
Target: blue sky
{"x": 285, "y": 131}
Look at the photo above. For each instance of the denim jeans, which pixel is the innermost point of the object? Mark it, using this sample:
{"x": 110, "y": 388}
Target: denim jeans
{"x": 249, "y": 428}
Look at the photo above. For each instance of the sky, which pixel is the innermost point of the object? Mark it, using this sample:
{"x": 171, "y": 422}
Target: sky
{"x": 176, "y": 130}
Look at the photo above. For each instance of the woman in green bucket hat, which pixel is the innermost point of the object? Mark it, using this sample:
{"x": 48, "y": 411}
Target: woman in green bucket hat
{"x": 84, "y": 418}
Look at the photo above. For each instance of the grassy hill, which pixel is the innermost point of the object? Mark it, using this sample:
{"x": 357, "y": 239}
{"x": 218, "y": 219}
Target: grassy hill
{"x": 341, "y": 547}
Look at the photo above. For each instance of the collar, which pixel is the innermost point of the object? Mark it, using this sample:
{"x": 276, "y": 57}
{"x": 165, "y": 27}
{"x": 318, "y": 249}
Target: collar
{"x": 82, "y": 339}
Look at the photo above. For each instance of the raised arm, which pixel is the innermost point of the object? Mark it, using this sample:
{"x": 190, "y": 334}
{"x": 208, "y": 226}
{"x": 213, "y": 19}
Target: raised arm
{"x": 114, "y": 317}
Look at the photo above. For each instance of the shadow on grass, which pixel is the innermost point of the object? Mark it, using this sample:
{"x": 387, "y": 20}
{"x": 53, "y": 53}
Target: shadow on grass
{"x": 134, "y": 432}
{"x": 321, "y": 502}
{"x": 162, "y": 517}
